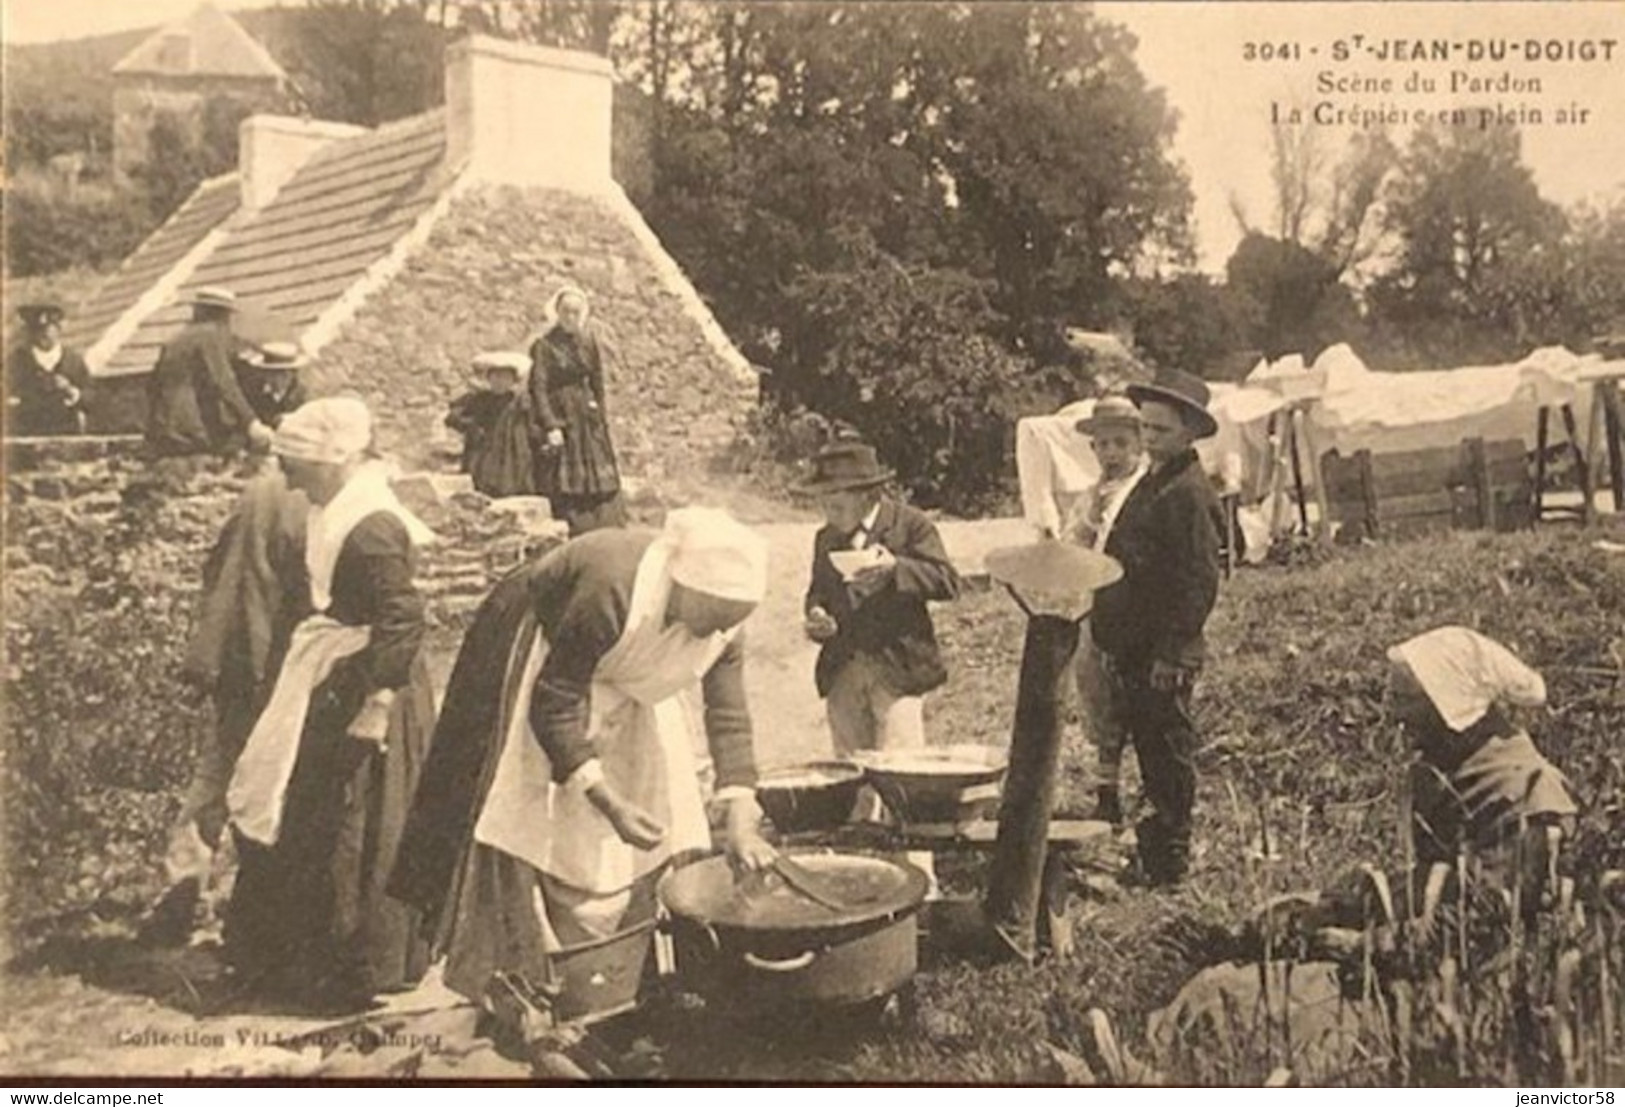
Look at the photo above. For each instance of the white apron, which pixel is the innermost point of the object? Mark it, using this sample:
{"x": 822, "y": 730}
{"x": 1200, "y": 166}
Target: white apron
{"x": 259, "y": 783}
{"x": 640, "y": 733}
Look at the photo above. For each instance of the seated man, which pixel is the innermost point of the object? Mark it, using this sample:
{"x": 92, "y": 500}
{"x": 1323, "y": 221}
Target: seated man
{"x": 270, "y": 380}
{"x": 45, "y": 380}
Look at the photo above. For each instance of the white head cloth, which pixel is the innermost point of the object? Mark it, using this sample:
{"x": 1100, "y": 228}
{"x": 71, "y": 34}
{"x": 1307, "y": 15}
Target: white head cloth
{"x": 714, "y": 553}
{"x": 1464, "y": 673}
{"x": 569, "y": 290}
{"x": 334, "y": 430}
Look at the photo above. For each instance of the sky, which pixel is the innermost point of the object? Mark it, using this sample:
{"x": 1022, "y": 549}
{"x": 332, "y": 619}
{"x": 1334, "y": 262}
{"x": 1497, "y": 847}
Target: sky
{"x": 1195, "y": 52}
{"x": 48, "y": 20}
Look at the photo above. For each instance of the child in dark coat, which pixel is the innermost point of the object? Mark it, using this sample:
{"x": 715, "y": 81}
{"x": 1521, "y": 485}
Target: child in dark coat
{"x": 495, "y": 423}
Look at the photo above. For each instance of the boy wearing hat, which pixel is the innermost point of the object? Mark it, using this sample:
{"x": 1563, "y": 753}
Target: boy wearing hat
{"x": 1113, "y": 429}
{"x": 270, "y": 380}
{"x": 1148, "y": 625}
{"x": 45, "y": 381}
{"x": 879, "y": 654}
{"x": 194, "y": 403}
{"x": 496, "y": 428}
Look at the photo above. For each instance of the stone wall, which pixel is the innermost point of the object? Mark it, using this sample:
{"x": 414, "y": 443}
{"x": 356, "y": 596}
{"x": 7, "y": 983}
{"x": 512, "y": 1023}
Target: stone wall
{"x": 482, "y": 281}
{"x": 63, "y": 495}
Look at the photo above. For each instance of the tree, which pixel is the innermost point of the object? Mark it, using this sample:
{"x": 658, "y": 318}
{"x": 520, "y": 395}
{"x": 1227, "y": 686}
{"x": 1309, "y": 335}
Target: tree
{"x": 1296, "y": 301}
{"x": 1475, "y": 258}
{"x": 1190, "y": 322}
{"x": 1595, "y": 279}
{"x": 369, "y": 61}
{"x": 1326, "y": 227}
{"x": 903, "y": 357}
{"x": 174, "y": 165}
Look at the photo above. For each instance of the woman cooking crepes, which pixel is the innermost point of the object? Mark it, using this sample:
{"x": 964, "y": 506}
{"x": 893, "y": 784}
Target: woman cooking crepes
{"x": 320, "y": 791}
{"x": 563, "y": 762}
{"x": 577, "y": 470}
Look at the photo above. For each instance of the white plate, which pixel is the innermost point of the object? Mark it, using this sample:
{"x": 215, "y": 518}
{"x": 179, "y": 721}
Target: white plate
{"x": 849, "y": 563}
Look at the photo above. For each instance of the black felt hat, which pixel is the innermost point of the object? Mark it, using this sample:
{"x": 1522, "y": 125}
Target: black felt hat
{"x": 1185, "y": 391}
{"x": 842, "y": 467}
{"x": 38, "y": 315}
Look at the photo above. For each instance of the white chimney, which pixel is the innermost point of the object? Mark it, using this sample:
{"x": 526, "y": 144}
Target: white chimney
{"x": 271, "y": 148}
{"x": 529, "y": 115}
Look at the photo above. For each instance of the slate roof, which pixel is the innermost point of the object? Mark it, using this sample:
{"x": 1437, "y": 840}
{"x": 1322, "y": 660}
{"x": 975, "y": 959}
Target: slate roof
{"x": 338, "y": 215}
{"x": 211, "y": 204}
{"x": 206, "y": 43}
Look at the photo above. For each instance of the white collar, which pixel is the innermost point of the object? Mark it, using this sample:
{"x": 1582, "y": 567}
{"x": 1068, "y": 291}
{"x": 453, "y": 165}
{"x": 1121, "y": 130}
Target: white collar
{"x": 365, "y": 492}
{"x": 47, "y": 360}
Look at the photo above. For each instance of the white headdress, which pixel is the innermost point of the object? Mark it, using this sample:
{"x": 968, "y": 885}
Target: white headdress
{"x": 334, "y": 429}
{"x": 714, "y": 553}
{"x": 1464, "y": 673}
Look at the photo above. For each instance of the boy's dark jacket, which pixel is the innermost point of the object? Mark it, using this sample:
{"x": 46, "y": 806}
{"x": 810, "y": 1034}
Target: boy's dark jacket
{"x": 1167, "y": 539}
{"x": 892, "y": 626}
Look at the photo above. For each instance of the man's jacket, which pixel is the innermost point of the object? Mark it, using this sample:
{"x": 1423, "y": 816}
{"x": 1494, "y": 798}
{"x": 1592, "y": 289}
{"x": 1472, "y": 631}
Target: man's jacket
{"x": 891, "y": 626}
{"x": 1166, "y": 538}
{"x": 195, "y": 404}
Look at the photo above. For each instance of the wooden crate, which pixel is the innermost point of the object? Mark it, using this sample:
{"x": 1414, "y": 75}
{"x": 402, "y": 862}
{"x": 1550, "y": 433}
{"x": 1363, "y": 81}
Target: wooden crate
{"x": 1473, "y": 486}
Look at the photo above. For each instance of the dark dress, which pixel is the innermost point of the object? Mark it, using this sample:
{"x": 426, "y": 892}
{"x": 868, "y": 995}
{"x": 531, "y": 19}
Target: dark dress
{"x": 37, "y": 398}
{"x": 308, "y": 916}
{"x": 567, "y": 393}
{"x": 480, "y": 898}
{"x": 497, "y": 450}
{"x": 260, "y": 388}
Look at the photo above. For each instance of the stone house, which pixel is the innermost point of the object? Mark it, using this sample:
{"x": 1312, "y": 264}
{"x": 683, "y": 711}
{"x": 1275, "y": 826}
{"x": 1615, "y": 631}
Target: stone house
{"x": 396, "y": 253}
{"x": 198, "y": 75}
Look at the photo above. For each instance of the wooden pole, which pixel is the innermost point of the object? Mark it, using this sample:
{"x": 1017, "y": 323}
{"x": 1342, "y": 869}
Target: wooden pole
{"x": 1016, "y": 877}
{"x": 1322, "y": 501}
{"x": 1582, "y": 463}
{"x": 1294, "y": 418}
{"x": 1368, "y": 494}
{"x": 1543, "y": 429}
{"x": 1478, "y": 471}
{"x": 1277, "y": 469}
{"x": 1608, "y": 395}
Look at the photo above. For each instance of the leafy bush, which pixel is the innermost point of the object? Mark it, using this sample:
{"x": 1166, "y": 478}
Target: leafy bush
{"x": 51, "y": 228}
{"x": 902, "y": 356}
{"x": 98, "y": 615}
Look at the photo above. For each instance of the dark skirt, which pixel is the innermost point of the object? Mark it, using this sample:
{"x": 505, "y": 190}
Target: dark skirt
{"x": 585, "y": 464}
{"x": 309, "y": 918}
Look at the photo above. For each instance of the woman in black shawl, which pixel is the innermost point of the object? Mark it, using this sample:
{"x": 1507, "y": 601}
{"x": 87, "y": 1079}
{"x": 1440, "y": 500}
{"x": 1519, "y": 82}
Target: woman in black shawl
{"x": 577, "y": 462}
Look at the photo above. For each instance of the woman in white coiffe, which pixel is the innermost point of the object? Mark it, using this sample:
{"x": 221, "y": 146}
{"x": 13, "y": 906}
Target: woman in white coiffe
{"x": 319, "y": 793}
{"x": 563, "y": 777}
{"x": 1478, "y": 783}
